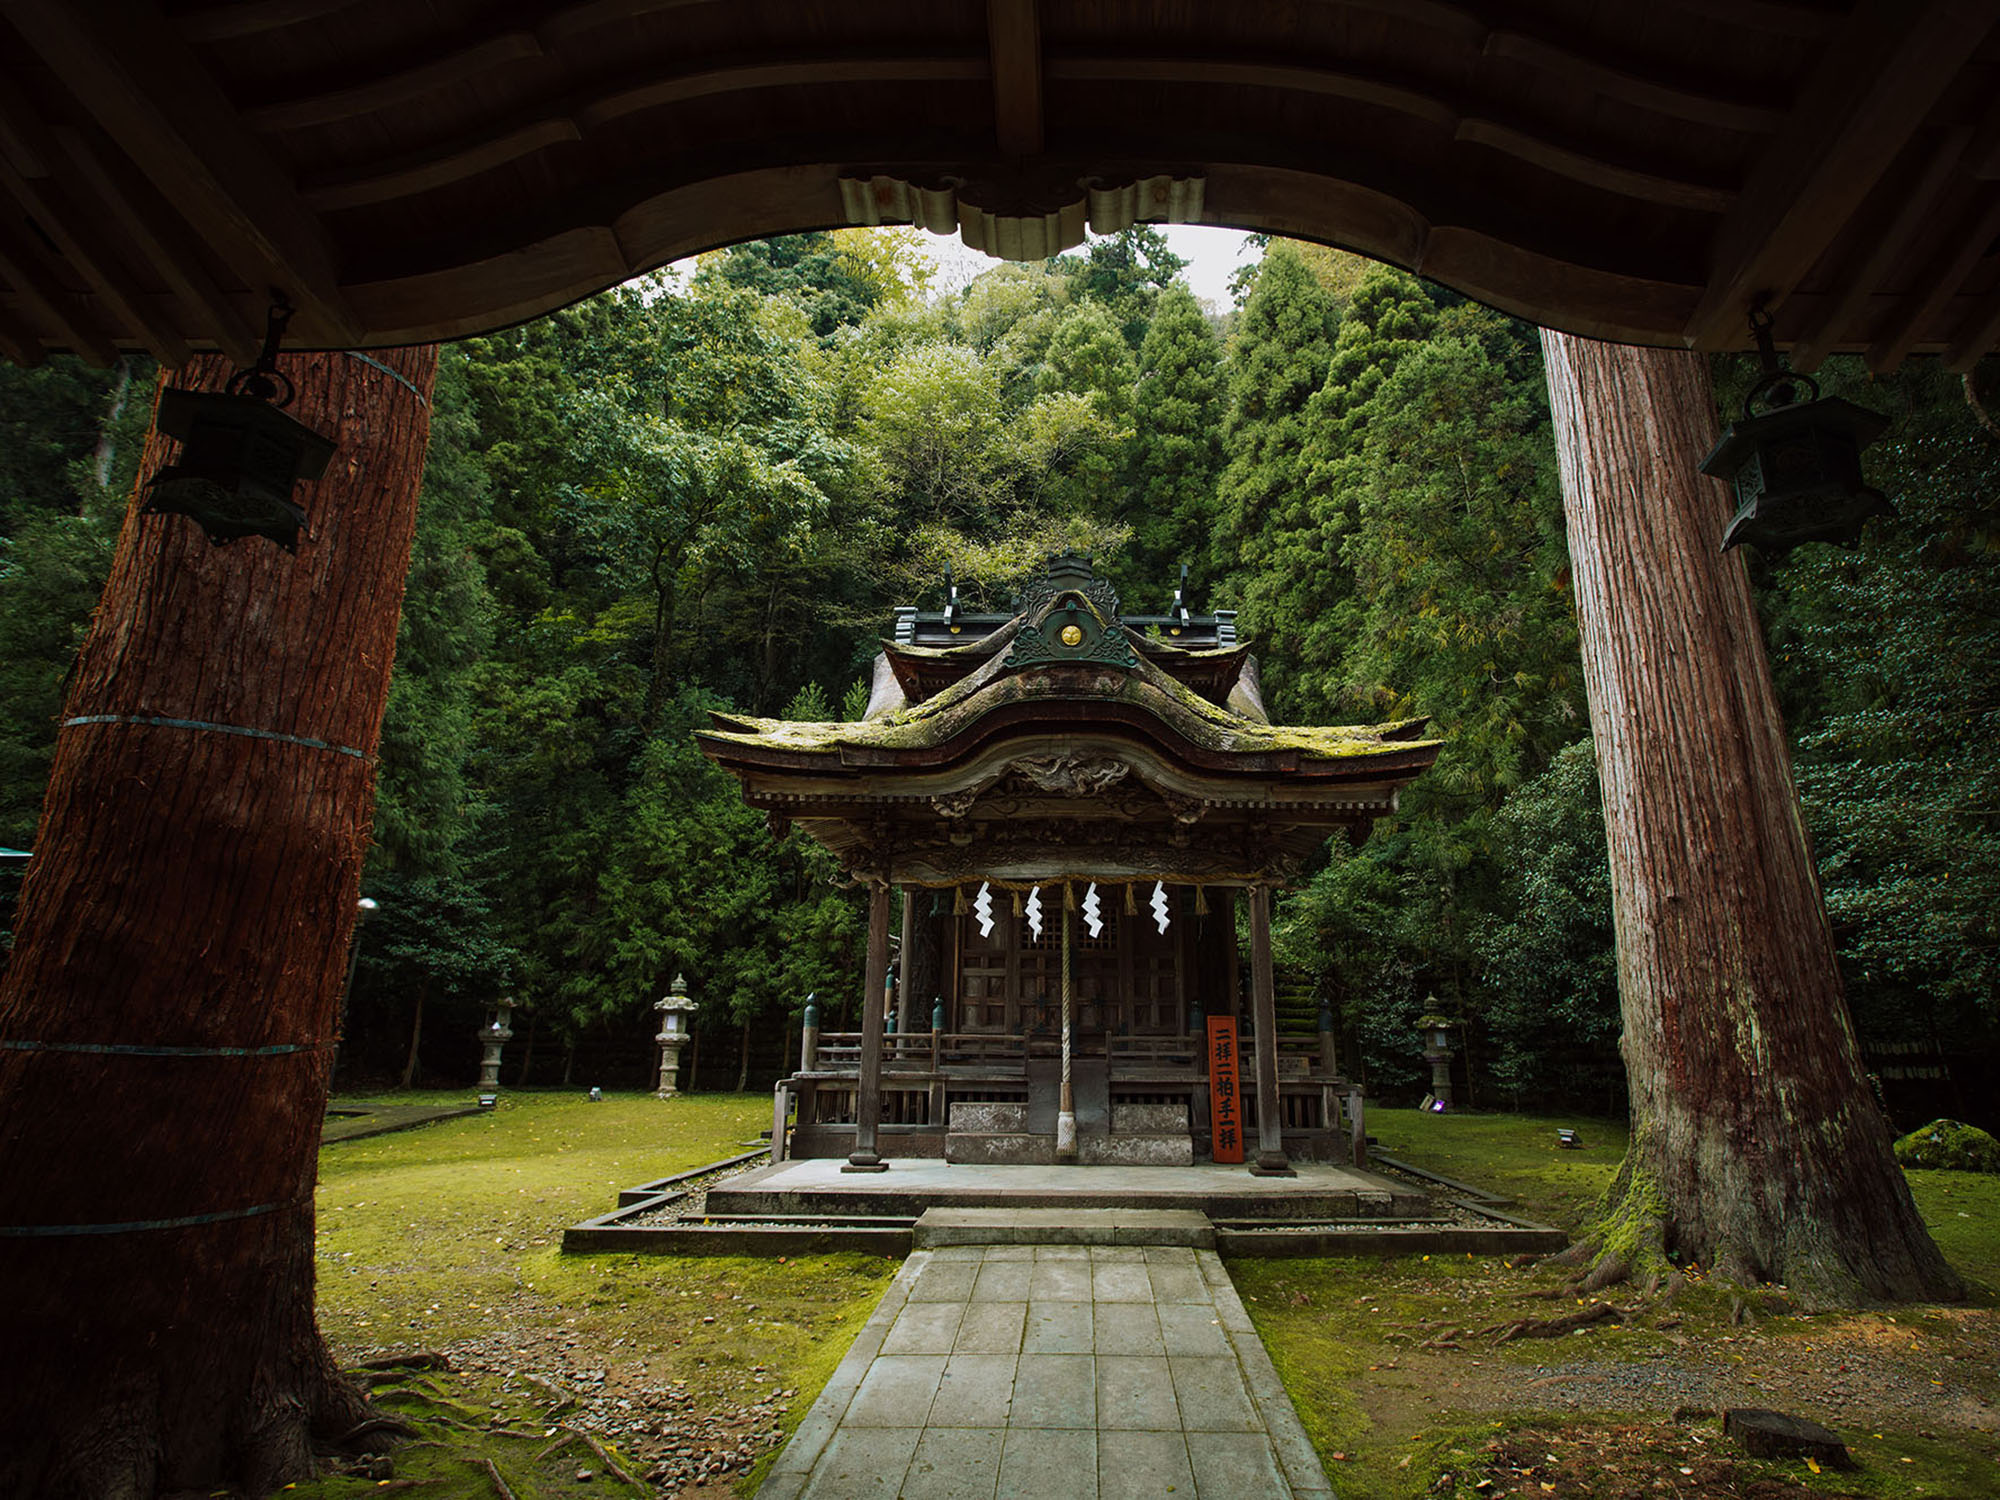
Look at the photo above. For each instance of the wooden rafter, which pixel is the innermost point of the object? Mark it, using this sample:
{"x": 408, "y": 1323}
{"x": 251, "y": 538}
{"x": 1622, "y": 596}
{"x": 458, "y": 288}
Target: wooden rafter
{"x": 1879, "y": 79}
{"x": 788, "y": 73}
{"x": 1919, "y": 311}
{"x": 79, "y": 229}
{"x": 1619, "y": 83}
{"x": 151, "y": 95}
{"x": 17, "y": 341}
{"x": 453, "y": 163}
{"x": 1014, "y": 44}
{"x": 158, "y": 235}
{"x": 1654, "y": 183}
{"x": 1816, "y": 342}
{"x": 1982, "y": 156}
{"x": 1977, "y": 335}
{"x": 509, "y": 139}
{"x": 372, "y": 94}
{"x": 22, "y": 262}
{"x": 250, "y": 17}
{"x": 1642, "y": 177}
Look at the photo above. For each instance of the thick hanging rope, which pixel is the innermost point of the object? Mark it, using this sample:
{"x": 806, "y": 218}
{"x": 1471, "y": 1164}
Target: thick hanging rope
{"x": 1066, "y": 1117}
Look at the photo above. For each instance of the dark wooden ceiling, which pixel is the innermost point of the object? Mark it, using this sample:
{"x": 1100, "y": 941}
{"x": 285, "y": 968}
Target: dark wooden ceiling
{"x": 405, "y": 170}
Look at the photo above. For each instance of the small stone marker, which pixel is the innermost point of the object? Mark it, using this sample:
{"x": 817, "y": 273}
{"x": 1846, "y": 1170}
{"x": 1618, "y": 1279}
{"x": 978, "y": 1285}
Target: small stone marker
{"x": 1773, "y": 1434}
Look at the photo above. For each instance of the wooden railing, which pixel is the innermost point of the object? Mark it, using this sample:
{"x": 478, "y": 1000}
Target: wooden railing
{"x": 839, "y": 1052}
{"x": 1155, "y": 1051}
{"x": 921, "y": 1051}
{"x": 1298, "y": 1057}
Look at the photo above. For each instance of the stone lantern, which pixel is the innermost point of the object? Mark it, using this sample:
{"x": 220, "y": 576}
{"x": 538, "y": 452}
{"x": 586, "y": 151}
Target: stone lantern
{"x": 1437, "y": 1030}
{"x": 494, "y": 1033}
{"x": 676, "y": 1029}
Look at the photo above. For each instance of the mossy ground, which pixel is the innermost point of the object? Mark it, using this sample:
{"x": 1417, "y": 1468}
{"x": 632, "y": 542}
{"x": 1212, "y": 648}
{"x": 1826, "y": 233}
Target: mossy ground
{"x": 1405, "y": 1394}
{"x": 448, "y": 1237}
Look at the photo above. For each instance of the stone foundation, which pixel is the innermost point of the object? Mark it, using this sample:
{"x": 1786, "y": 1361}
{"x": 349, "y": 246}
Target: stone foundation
{"x": 1000, "y": 1149}
{"x": 1136, "y": 1150}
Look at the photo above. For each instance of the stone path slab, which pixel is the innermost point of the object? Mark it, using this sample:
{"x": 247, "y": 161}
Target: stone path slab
{"x": 1065, "y": 1226}
{"x": 1087, "y": 1372}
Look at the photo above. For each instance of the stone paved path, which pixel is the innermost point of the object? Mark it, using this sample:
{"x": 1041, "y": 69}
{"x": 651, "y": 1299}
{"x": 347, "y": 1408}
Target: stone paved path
{"x": 1073, "y": 1371}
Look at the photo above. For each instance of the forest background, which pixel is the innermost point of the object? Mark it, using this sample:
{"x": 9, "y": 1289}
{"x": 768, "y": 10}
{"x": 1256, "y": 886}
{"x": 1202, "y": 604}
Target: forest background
{"x": 709, "y": 491}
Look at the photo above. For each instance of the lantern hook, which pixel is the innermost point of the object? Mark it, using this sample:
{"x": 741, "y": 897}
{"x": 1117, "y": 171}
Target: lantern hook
{"x": 264, "y": 379}
{"x": 1778, "y": 385}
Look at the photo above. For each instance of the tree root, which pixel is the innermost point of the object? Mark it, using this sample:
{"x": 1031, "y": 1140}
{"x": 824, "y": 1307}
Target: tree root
{"x": 558, "y": 1397}
{"x": 407, "y": 1362}
{"x": 492, "y": 1472}
{"x": 1551, "y": 1328}
{"x": 439, "y": 1407}
{"x": 1609, "y": 1271}
{"x": 574, "y": 1435}
{"x": 382, "y": 1423}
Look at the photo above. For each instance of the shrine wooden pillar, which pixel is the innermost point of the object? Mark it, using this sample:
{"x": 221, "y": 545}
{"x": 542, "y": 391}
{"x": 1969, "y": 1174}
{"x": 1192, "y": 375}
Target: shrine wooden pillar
{"x": 905, "y": 1005}
{"x": 868, "y": 1087}
{"x": 1270, "y": 1160}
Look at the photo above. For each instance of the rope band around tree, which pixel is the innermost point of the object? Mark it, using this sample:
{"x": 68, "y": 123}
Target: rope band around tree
{"x": 123, "y": 1049}
{"x": 395, "y": 375}
{"x": 202, "y": 724}
{"x": 140, "y": 1226}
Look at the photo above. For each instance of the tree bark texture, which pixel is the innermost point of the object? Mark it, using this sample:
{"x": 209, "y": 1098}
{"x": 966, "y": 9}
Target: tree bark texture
{"x": 167, "y": 1026}
{"x": 1757, "y": 1146}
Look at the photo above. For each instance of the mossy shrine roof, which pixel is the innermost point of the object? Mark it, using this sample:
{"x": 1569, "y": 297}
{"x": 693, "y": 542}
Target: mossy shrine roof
{"x": 1069, "y": 739}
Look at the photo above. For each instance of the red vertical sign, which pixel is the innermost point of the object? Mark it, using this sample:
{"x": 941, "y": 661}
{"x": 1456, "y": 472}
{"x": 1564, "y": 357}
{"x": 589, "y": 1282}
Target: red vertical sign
{"x": 1225, "y": 1113}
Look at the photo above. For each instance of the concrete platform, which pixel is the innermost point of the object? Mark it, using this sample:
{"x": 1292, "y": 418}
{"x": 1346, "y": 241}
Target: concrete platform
{"x": 912, "y": 1185}
{"x": 1188, "y": 1228}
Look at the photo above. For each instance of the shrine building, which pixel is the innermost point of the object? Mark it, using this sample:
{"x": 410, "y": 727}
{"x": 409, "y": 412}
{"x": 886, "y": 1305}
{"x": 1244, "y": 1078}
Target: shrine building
{"x": 1073, "y": 801}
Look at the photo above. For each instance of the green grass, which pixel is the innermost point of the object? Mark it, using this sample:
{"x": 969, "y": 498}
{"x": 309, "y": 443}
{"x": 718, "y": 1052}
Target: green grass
{"x": 1394, "y": 1420}
{"x": 1515, "y": 1156}
{"x": 451, "y": 1232}
{"x": 1963, "y": 1212}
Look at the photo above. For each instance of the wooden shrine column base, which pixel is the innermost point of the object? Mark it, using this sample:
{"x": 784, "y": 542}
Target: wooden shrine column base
{"x": 868, "y": 1087}
{"x": 1270, "y": 1160}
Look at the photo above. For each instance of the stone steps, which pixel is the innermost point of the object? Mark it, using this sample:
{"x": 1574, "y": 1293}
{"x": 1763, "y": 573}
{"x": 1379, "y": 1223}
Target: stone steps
{"x": 1064, "y": 1226}
{"x": 1142, "y": 1135}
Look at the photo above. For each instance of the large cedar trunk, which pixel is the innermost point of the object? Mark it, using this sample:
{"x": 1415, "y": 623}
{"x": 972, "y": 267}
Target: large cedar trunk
{"x": 170, "y": 1011}
{"x": 1757, "y": 1145}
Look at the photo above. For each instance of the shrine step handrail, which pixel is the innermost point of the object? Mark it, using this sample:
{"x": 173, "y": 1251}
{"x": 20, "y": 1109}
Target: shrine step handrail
{"x": 921, "y": 1050}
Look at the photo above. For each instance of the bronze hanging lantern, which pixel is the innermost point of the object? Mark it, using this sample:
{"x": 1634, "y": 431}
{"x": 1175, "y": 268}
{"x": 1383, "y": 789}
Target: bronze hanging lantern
{"x": 240, "y": 454}
{"x": 1795, "y": 464}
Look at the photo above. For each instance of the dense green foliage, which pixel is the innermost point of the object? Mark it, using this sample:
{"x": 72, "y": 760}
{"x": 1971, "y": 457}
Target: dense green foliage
{"x": 707, "y": 493}
{"x": 69, "y": 447}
